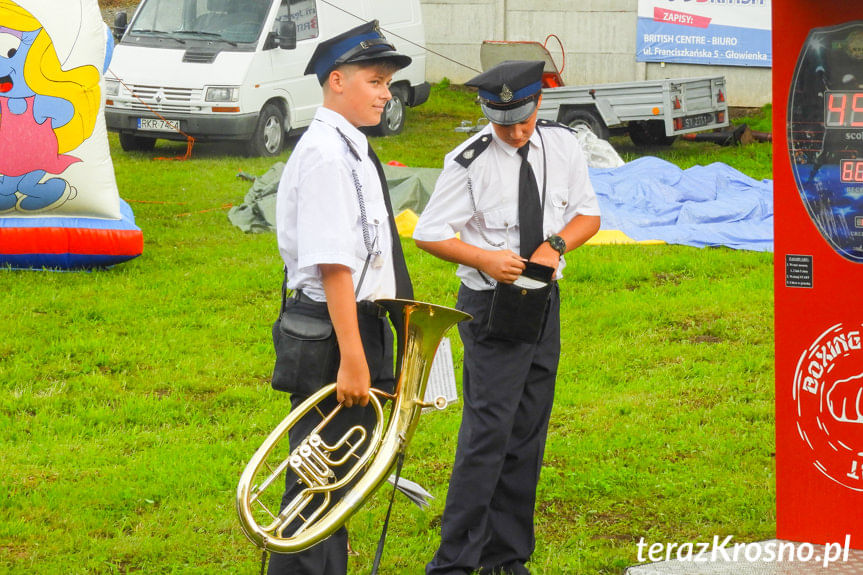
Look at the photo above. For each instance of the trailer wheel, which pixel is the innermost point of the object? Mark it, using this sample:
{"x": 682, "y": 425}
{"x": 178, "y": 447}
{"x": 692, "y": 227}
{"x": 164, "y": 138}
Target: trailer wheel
{"x": 269, "y": 133}
{"x": 131, "y": 143}
{"x": 649, "y": 133}
{"x": 589, "y": 118}
{"x": 393, "y": 118}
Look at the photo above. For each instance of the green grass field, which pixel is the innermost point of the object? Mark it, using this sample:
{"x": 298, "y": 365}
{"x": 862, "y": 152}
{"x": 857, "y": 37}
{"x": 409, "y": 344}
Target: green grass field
{"x": 133, "y": 397}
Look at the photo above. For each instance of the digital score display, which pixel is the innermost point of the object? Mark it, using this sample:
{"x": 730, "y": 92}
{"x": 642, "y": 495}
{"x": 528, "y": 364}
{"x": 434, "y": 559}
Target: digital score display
{"x": 825, "y": 134}
{"x": 851, "y": 172}
{"x": 843, "y": 109}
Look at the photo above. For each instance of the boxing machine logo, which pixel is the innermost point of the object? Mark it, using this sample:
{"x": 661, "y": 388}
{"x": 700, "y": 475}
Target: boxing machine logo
{"x": 828, "y": 392}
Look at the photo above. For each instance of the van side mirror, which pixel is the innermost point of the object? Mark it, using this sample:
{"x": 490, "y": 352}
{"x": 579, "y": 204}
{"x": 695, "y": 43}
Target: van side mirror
{"x": 121, "y": 20}
{"x": 286, "y": 33}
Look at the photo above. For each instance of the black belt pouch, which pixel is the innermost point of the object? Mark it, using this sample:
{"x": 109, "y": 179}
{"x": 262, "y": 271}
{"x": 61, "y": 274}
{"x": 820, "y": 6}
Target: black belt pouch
{"x": 307, "y": 352}
{"x": 518, "y": 309}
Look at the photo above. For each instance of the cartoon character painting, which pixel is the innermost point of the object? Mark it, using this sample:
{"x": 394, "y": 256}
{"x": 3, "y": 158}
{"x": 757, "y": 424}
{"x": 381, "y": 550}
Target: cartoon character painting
{"x": 59, "y": 203}
{"x": 45, "y": 112}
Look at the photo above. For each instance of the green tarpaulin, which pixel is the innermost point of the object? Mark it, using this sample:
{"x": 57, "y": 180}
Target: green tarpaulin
{"x": 410, "y": 189}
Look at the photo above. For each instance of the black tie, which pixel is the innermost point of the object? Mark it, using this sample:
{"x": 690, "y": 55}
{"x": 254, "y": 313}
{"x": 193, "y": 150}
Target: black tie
{"x": 529, "y": 208}
{"x": 404, "y": 288}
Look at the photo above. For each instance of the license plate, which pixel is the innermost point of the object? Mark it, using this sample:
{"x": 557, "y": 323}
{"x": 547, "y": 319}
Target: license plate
{"x": 158, "y": 125}
{"x": 697, "y": 121}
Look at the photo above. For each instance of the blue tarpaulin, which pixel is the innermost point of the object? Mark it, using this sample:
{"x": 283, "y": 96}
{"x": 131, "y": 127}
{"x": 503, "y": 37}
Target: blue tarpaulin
{"x": 646, "y": 199}
{"x": 714, "y": 205}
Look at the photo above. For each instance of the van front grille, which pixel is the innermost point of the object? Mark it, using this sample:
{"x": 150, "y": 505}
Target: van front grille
{"x": 163, "y": 99}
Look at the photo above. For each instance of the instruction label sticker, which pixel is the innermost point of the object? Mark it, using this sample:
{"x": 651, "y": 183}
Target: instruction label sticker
{"x": 798, "y": 271}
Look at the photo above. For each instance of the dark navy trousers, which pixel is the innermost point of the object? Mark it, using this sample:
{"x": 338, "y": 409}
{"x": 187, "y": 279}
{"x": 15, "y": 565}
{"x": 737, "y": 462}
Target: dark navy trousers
{"x": 508, "y": 392}
{"x": 330, "y": 557}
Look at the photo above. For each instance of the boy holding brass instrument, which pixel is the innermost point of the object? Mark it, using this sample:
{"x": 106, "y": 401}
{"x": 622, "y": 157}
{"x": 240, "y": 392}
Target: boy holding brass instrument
{"x": 341, "y": 251}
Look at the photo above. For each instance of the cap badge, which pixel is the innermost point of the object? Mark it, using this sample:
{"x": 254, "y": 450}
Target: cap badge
{"x": 505, "y": 94}
{"x": 364, "y": 45}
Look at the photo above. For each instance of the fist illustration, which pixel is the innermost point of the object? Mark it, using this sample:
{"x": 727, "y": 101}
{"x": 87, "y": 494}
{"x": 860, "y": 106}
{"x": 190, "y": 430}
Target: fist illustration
{"x": 845, "y": 399}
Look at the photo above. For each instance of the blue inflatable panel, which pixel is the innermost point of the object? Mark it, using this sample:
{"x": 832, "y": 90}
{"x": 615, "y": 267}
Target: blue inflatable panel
{"x": 69, "y": 242}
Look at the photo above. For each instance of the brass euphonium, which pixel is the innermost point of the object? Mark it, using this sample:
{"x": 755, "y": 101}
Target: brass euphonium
{"x": 362, "y": 460}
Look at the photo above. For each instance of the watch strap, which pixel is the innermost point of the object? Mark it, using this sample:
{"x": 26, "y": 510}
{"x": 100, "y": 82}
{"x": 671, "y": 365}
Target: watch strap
{"x": 558, "y": 243}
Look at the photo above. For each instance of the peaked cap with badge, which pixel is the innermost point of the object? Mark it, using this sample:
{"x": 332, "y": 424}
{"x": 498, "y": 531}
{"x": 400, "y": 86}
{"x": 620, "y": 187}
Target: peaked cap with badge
{"x": 508, "y": 90}
{"x": 360, "y": 44}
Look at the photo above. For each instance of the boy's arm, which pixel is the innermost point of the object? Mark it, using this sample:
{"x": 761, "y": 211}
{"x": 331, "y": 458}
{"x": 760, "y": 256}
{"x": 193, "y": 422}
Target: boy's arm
{"x": 503, "y": 265}
{"x": 353, "y": 379}
{"x": 579, "y": 229}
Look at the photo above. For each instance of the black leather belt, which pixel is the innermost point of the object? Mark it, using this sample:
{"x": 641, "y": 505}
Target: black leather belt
{"x": 364, "y": 307}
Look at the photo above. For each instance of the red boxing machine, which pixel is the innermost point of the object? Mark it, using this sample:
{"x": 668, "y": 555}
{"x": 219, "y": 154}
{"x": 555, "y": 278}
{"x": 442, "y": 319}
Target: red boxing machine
{"x": 818, "y": 194}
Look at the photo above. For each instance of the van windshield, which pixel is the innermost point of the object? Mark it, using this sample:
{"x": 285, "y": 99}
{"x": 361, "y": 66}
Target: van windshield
{"x": 230, "y": 21}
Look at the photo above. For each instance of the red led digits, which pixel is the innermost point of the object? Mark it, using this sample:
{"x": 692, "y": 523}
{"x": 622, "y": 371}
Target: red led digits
{"x": 835, "y": 114}
{"x": 843, "y": 109}
{"x": 851, "y": 172}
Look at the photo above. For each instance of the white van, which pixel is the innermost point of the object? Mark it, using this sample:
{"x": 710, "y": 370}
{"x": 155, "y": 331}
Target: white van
{"x": 233, "y": 69}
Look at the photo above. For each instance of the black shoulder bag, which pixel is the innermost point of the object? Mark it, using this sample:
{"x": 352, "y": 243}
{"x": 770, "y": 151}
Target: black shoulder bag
{"x": 518, "y": 309}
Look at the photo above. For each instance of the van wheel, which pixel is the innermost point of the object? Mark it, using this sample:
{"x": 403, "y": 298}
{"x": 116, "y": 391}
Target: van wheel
{"x": 393, "y": 118}
{"x": 132, "y": 143}
{"x": 589, "y": 118}
{"x": 269, "y": 133}
{"x": 650, "y": 133}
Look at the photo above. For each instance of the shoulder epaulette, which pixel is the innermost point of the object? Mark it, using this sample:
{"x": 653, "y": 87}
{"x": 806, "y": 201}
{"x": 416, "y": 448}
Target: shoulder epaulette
{"x": 470, "y": 153}
{"x": 551, "y": 124}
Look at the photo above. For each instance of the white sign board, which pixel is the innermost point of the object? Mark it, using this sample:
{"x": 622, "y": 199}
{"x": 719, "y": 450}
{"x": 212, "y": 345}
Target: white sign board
{"x": 716, "y": 32}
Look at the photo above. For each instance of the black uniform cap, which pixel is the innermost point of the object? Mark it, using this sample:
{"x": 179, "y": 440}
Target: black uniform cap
{"x": 365, "y": 42}
{"x": 508, "y": 90}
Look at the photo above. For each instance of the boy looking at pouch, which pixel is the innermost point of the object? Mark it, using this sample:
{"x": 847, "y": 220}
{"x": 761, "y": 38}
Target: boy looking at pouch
{"x": 518, "y": 195}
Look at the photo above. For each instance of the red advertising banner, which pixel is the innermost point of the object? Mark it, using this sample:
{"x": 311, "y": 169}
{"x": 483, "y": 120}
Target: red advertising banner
{"x": 818, "y": 194}
{"x": 682, "y": 18}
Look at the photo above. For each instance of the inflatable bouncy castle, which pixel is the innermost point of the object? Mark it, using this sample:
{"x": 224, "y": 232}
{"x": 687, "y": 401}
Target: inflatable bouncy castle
{"x": 59, "y": 205}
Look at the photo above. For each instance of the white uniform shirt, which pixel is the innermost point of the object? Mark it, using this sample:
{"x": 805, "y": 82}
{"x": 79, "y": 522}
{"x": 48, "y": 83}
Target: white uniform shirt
{"x": 318, "y": 217}
{"x": 494, "y": 179}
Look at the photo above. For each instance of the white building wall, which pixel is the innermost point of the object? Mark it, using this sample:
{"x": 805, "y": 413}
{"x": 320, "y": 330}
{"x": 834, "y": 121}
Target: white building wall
{"x": 598, "y": 36}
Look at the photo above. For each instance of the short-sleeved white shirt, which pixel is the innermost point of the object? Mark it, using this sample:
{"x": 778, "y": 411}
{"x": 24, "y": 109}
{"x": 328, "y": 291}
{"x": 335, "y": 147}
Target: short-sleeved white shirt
{"x": 493, "y": 176}
{"x": 318, "y": 218}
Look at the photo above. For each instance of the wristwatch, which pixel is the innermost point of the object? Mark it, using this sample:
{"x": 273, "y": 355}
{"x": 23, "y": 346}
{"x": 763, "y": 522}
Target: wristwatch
{"x": 557, "y": 243}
